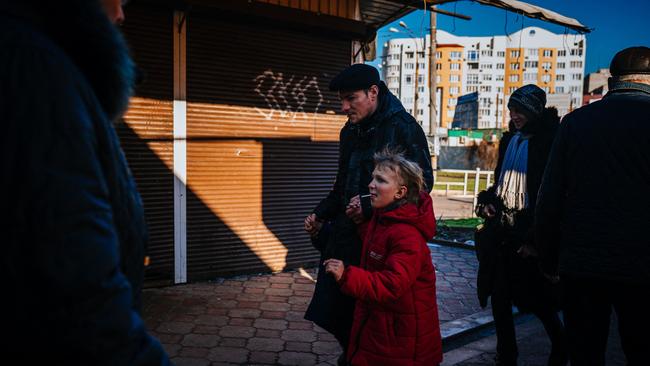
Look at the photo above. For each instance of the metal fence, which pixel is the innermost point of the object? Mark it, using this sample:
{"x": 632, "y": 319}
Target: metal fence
{"x": 469, "y": 178}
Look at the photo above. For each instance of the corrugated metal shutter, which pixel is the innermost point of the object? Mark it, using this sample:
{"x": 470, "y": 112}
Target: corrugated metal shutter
{"x": 146, "y": 132}
{"x": 262, "y": 142}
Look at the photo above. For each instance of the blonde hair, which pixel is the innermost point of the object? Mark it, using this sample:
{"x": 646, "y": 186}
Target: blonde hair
{"x": 408, "y": 172}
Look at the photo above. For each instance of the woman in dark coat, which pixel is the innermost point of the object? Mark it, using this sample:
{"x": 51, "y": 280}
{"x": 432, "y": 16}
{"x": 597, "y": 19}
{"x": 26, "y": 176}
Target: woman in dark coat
{"x": 508, "y": 267}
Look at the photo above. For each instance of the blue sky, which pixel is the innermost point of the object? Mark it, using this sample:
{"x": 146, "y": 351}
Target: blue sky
{"x": 616, "y": 24}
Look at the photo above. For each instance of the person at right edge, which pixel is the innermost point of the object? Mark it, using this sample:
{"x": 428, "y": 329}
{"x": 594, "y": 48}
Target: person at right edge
{"x": 593, "y": 215}
{"x": 508, "y": 268}
{"x": 376, "y": 120}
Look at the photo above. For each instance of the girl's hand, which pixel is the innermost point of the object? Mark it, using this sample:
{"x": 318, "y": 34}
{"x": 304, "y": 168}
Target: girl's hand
{"x": 335, "y": 267}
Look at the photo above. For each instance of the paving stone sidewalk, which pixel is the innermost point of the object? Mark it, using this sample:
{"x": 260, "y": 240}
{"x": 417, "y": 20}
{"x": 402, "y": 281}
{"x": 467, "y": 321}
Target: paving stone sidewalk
{"x": 258, "y": 319}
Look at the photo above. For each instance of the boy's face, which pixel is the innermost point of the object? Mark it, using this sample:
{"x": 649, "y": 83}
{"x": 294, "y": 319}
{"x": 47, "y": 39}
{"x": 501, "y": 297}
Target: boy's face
{"x": 385, "y": 188}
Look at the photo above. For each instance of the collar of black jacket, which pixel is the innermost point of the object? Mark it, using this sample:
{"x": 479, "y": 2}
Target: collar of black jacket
{"x": 626, "y": 85}
{"x": 85, "y": 34}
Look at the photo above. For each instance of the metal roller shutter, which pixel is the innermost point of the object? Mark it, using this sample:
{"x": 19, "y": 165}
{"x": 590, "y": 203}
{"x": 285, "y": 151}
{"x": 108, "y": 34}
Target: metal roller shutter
{"x": 262, "y": 144}
{"x": 146, "y": 132}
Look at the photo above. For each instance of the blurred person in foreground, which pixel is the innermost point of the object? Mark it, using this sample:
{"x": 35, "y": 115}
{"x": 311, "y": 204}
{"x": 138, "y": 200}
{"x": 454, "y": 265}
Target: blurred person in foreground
{"x": 593, "y": 212}
{"x": 72, "y": 220}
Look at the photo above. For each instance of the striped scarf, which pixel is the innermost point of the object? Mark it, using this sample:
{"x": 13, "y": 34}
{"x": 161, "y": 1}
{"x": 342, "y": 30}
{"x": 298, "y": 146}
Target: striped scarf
{"x": 511, "y": 187}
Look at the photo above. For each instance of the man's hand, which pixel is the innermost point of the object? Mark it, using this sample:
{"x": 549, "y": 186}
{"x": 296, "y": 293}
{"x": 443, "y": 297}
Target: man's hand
{"x": 313, "y": 224}
{"x": 353, "y": 210}
{"x": 335, "y": 267}
{"x": 489, "y": 210}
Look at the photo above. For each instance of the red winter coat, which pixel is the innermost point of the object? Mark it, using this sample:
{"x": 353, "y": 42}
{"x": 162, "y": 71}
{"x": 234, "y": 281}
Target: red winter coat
{"x": 396, "y": 314}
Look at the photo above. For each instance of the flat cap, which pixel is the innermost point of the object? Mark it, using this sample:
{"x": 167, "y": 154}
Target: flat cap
{"x": 355, "y": 77}
{"x": 632, "y": 60}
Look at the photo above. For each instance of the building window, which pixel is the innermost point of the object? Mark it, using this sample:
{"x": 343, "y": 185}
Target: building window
{"x": 530, "y": 64}
{"x": 576, "y": 52}
{"x": 500, "y": 77}
{"x": 561, "y": 65}
{"x": 483, "y": 112}
{"x": 471, "y": 88}
{"x": 547, "y": 53}
{"x": 486, "y": 66}
{"x": 409, "y": 55}
{"x": 437, "y": 79}
{"x": 409, "y": 66}
{"x": 514, "y": 66}
{"x": 438, "y": 66}
{"x": 451, "y": 102}
{"x": 561, "y": 53}
{"x": 485, "y": 88}
{"x": 487, "y": 77}
{"x": 574, "y": 89}
{"x": 575, "y": 64}
{"x": 513, "y": 78}
{"x": 500, "y": 66}
{"x": 420, "y": 111}
{"x": 530, "y": 76}
{"x": 472, "y": 78}
{"x": 546, "y": 89}
{"x": 533, "y": 52}
{"x": 453, "y": 90}
{"x": 559, "y": 89}
{"x": 408, "y": 79}
{"x": 486, "y": 53}
{"x": 392, "y": 79}
{"x": 512, "y": 89}
{"x": 501, "y": 53}
{"x": 472, "y": 56}
{"x": 514, "y": 53}
{"x": 455, "y": 55}
{"x": 559, "y": 77}
{"x": 454, "y": 78}
{"x": 546, "y": 78}
{"x": 454, "y": 66}
{"x": 438, "y": 54}
{"x": 576, "y": 76}
{"x": 546, "y": 65}
{"x": 420, "y": 79}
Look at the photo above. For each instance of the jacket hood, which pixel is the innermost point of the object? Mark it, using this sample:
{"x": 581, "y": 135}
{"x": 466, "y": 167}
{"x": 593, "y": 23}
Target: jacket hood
{"x": 86, "y": 35}
{"x": 420, "y": 216}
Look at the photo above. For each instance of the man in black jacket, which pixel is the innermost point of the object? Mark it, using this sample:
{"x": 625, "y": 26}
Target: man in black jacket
{"x": 72, "y": 222}
{"x": 593, "y": 212}
{"x": 376, "y": 119}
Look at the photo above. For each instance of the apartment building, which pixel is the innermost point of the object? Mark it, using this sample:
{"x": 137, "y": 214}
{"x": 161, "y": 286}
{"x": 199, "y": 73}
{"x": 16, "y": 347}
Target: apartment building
{"x": 493, "y": 66}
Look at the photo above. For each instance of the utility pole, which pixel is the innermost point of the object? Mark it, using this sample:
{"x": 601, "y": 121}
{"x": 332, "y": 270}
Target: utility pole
{"x": 417, "y": 69}
{"x": 433, "y": 115}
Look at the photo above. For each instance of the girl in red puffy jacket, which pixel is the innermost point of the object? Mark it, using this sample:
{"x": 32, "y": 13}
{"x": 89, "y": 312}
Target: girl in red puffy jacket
{"x": 396, "y": 314}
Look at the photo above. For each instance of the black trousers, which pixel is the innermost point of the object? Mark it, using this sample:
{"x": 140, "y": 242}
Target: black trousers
{"x": 509, "y": 278}
{"x": 588, "y": 306}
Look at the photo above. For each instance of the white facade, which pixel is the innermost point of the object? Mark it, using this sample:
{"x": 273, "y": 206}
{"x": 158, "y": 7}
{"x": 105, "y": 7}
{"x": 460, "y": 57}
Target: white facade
{"x": 554, "y": 62}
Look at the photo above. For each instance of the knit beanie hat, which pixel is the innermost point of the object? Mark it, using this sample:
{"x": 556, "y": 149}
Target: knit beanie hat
{"x": 529, "y": 98}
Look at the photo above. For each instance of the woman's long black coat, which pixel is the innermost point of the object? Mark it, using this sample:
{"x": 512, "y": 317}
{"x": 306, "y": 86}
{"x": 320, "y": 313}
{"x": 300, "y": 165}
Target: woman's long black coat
{"x": 517, "y": 229}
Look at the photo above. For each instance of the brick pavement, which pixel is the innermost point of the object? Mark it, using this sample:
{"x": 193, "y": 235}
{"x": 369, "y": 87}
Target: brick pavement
{"x": 258, "y": 319}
